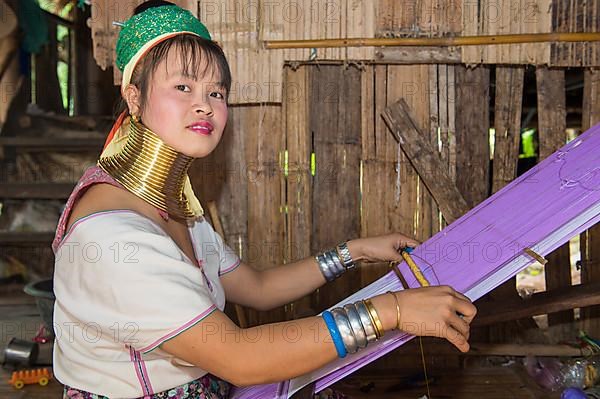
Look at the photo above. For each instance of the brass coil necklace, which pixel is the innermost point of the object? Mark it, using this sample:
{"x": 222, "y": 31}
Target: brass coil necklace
{"x": 151, "y": 170}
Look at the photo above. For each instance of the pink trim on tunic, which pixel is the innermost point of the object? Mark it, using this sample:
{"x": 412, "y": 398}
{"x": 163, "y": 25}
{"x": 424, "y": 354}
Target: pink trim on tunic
{"x": 92, "y": 175}
{"x": 177, "y": 331}
{"x": 141, "y": 372}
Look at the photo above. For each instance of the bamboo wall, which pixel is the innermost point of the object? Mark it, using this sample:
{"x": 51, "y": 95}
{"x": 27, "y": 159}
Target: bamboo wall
{"x": 311, "y": 162}
{"x": 242, "y": 26}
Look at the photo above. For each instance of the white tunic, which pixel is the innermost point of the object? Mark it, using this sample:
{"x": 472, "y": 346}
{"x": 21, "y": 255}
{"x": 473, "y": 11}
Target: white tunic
{"x": 122, "y": 288}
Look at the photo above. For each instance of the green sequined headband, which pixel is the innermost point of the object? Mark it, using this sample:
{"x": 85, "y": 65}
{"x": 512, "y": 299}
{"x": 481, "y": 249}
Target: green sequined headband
{"x": 152, "y": 23}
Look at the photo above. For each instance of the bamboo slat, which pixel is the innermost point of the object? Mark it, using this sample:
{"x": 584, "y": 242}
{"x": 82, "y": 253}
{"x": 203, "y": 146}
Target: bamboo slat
{"x": 479, "y": 41}
{"x": 575, "y": 16}
{"x": 493, "y": 17}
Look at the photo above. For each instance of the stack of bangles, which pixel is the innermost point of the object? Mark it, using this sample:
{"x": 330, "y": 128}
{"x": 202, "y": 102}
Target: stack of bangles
{"x": 355, "y": 325}
{"x": 335, "y": 262}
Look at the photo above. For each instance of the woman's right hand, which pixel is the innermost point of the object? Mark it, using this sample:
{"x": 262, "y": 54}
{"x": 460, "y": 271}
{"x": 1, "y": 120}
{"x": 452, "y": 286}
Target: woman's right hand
{"x": 437, "y": 311}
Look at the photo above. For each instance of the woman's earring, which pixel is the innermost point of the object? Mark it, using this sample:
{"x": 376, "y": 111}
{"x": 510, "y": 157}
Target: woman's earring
{"x": 135, "y": 118}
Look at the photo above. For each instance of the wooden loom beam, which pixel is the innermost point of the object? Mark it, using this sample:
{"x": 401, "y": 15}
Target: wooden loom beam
{"x": 541, "y": 303}
{"x": 442, "y": 348}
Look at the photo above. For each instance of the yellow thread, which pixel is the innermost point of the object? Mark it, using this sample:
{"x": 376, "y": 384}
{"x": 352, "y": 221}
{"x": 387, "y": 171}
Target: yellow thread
{"x": 415, "y": 269}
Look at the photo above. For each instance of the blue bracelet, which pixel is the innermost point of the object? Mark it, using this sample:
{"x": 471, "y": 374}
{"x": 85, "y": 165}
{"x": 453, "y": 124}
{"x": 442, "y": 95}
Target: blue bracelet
{"x": 335, "y": 334}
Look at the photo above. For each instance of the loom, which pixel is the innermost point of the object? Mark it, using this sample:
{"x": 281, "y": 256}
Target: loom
{"x": 529, "y": 218}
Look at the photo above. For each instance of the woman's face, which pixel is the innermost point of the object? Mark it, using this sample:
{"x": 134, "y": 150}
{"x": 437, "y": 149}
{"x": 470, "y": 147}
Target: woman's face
{"x": 187, "y": 114}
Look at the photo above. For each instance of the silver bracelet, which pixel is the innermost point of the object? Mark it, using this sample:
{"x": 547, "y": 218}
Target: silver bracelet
{"x": 327, "y": 273}
{"x": 356, "y": 324}
{"x": 334, "y": 263}
{"x": 345, "y": 256}
{"x": 330, "y": 264}
{"x": 343, "y": 325}
{"x": 366, "y": 321}
{"x": 337, "y": 260}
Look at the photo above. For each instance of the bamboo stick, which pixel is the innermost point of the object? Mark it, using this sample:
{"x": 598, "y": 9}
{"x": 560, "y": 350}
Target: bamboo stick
{"x": 436, "y": 41}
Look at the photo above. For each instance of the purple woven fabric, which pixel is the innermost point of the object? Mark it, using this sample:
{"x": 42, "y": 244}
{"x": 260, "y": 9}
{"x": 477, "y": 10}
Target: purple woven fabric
{"x": 541, "y": 210}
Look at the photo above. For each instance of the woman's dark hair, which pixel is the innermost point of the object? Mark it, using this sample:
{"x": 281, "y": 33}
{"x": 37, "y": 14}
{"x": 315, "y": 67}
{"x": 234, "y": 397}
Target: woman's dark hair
{"x": 192, "y": 50}
{"x": 149, "y": 4}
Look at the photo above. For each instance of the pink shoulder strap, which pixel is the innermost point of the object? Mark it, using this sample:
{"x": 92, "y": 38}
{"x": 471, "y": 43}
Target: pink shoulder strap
{"x": 92, "y": 175}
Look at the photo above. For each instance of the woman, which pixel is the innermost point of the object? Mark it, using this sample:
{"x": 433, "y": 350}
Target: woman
{"x": 141, "y": 278}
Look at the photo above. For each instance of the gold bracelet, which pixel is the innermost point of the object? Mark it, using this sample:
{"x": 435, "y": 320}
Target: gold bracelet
{"x": 397, "y": 309}
{"x": 375, "y": 318}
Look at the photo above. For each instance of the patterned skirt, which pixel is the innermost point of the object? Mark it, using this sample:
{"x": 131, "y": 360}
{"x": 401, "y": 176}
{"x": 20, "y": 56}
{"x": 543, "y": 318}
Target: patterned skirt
{"x": 206, "y": 387}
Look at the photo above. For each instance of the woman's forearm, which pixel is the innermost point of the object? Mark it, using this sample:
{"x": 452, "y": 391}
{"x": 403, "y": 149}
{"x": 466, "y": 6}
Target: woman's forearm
{"x": 284, "y": 284}
{"x": 293, "y": 348}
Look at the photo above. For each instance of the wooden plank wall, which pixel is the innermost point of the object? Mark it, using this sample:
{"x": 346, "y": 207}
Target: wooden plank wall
{"x": 298, "y": 193}
{"x": 334, "y": 126}
{"x": 472, "y": 133}
{"x": 244, "y": 177}
{"x": 276, "y": 210}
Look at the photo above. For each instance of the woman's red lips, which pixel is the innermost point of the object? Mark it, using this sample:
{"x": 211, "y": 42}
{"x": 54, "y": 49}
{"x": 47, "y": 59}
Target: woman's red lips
{"x": 203, "y": 127}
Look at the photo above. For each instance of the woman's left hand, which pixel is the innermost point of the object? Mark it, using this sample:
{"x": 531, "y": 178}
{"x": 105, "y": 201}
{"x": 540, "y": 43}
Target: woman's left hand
{"x": 384, "y": 248}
